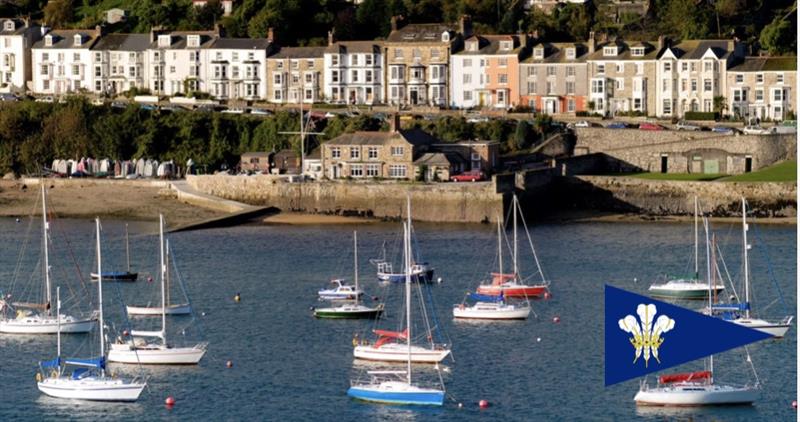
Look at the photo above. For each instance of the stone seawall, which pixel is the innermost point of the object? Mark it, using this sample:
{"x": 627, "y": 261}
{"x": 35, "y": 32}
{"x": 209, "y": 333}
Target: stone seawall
{"x": 446, "y": 202}
{"x": 670, "y": 198}
{"x": 686, "y": 152}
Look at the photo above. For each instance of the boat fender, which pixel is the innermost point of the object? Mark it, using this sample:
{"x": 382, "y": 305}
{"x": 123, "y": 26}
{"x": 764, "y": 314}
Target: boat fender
{"x": 38, "y": 377}
{"x": 355, "y": 341}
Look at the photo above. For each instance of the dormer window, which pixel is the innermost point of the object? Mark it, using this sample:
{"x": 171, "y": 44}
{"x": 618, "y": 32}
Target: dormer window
{"x": 445, "y": 36}
{"x": 164, "y": 40}
{"x": 472, "y": 46}
{"x": 571, "y": 53}
{"x": 9, "y": 25}
{"x": 193, "y": 41}
{"x": 610, "y": 51}
{"x": 506, "y": 45}
{"x": 538, "y": 52}
{"x": 637, "y": 51}
{"x": 48, "y": 40}
{"x": 78, "y": 39}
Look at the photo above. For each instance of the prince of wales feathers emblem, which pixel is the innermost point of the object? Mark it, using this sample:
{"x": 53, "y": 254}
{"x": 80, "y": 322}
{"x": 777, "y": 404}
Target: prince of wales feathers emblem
{"x": 647, "y": 337}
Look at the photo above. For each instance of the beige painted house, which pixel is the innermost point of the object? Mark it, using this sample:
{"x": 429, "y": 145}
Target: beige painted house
{"x": 296, "y": 73}
{"x": 622, "y": 75}
{"x": 689, "y": 75}
{"x": 417, "y": 59}
{"x": 389, "y": 155}
{"x": 762, "y": 87}
{"x": 553, "y": 78}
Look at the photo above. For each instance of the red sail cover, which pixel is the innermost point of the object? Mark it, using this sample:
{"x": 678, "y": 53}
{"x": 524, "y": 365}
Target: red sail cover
{"x": 384, "y": 336}
{"x": 688, "y": 376}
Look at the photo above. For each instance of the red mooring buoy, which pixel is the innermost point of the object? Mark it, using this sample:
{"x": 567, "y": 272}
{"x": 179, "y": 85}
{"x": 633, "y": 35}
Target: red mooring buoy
{"x": 483, "y": 404}
{"x": 229, "y": 364}
{"x": 556, "y": 320}
{"x": 794, "y": 404}
{"x": 170, "y": 401}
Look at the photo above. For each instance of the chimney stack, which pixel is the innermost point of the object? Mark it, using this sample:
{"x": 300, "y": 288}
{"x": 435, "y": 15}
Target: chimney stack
{"x": 465, "y": 26}
{"x": 394, "y": 123}
{"x": 393, "y": 22}
{"x": 98, "y": 31}
{"x": 663, "y": 41}
{"x": 592, "y": 42}
{"x": 271, "y": 35}
{"x": 331, "y": 36}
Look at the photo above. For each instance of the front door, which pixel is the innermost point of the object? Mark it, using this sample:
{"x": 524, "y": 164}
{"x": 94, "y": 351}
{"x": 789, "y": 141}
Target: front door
{"x": 711, "y": 166}
{"x": 414, "y": 95}
{"x": 664, "y": 164}
{"x": 335, "y": 172}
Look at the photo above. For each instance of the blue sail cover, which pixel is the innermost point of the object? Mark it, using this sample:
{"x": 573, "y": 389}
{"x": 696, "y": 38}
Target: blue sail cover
{"x": 731, "y": 307}
{"x": 486, "y": 298}
{"x": 99, "y": 362}
{"x": 55, "y": 363}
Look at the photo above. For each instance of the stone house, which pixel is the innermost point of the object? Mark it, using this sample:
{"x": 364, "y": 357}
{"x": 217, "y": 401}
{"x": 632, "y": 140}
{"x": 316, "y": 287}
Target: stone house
{"x": 762, "y": 87}
{"x": 475, "y": 155}
{"x": 417, "y": 57}
{"x": 255, "y": 161}
{"x": 437, "y": 166}
{"x": 389, "y": 155}
{"x": 622, "y": 75}
{"x": 689, "y": 75}
{"x": 486, "y": 72}
{"x": 295, "y": 73}
{"x": 553, "y": 78}
{"x": 285, "y": 161}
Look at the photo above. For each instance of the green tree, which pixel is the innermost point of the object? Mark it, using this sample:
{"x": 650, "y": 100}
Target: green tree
{"x": 58, "y": 13}
{"x": 522, "y": 136}
{"x": 779, "y": 36}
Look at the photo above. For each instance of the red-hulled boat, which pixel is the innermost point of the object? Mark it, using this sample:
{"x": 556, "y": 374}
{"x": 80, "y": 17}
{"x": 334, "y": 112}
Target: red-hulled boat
{"x": 510, "y": 287}
{"x": 697, "y": 376}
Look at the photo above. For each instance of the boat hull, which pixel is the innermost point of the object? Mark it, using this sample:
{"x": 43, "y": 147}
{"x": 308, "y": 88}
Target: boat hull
{"x": 694, "y": 396}
{"x": 517, "y": 292}
{"x": 775, "y": 330}
{"x": 422, "y": 277}
{"x": 177, "y": 309}
{"x": 92, "y": 389}
{"x": 156, "y": 356}
{"x": 49, "y": 326}
{"x": 333, "y": 313}
{"x": 499, "y": 313}
{"x": 116, "y": 276}
{"x": 339, "y": 296}
{"x": 395, "y": 352}
{"x": 403, "y": 394}
{"x": 698, "y": 292}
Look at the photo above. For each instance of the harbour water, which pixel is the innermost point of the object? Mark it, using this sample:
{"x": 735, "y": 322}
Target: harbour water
{"x": 289, "y": 366}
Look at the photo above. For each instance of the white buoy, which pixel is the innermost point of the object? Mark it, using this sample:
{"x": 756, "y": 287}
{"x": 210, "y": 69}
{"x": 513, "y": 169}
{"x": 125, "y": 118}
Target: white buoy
{"x": 538, "y": 339}
{"x": 439, "y": 280}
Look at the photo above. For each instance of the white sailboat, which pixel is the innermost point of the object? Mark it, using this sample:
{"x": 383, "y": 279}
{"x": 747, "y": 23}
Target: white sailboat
{"x": 37, "y": 318}
{"x": 170, "y": 308}
{"x": 88, "y": 381}
{"x": 389, "y": 386}
{"x": 774, "y": 328}
{"x": 493, "y": 307}
{"x": 342, "y": 291}
{"x": 391, "y": 346}
{"x": 139, "y": 351}
{"x": 354, "y": 309}
{"x": 697, "y": 388}
{"x": 686, "y": 288}
{"x": 120, "y": 275}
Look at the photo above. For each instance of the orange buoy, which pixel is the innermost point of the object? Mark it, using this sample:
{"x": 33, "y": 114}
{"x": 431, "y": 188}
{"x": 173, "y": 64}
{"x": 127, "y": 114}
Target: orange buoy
{"x": 170, "y": 401}
{"x": 556, "y": 320}
{"x": 483, "y": 404}
{"x": 229, "y": 364}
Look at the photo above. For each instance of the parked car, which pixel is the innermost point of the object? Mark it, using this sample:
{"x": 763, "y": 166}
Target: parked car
{"x": 7, "y": 96}
{"x": 787, "y": 126}
{"x": 476, "y": 118}
{"x": 260, "y": 112}
{"x": 45, "y": 99}
{"x": 149, "y": 107}
{"x": 616, "y": 125}
{"x": 233, "y": 110}
{"x": 684, "y": 125}
{"x": 582, "y": 123}
{"x": 169, "y": 108}
{"x": 650, "y": 126}
{"x": 755, "y": 130}
{"x": 469, "y": 176}
{"x": 726, "y": 130}
{"x": 119, "y": 104}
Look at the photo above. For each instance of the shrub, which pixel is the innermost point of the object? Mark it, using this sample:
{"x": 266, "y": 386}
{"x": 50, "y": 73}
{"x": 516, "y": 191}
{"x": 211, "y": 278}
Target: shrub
{"x": 701, "y": 115}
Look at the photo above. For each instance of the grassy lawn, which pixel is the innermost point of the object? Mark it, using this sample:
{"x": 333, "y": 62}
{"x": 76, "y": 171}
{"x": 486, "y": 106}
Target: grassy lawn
{"x": 781, "y": 172}
{"x": 691, "y": 177}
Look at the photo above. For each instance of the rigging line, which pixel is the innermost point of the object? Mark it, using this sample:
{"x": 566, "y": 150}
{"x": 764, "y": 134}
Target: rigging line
{"x": 727, "y": 274}
{"x": 535, "y": 257}
{"x": 23, "y": 249}
{"x": 429, "y": 332}
{"x": 72, "y": 256}
{"x": 771, "y": 274}
{"x": 185, "y": 293}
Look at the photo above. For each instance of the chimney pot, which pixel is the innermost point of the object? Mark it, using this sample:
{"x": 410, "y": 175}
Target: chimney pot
{"x": 271, "y": 34}
{"x": 394, "y": 123}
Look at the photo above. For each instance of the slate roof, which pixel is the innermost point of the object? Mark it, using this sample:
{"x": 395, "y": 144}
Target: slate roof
{"x": 299, "y": 53}
{"x": 416, "y": 137}
{"x": 438, "y": 159}
{"x": 354, "y": 47}
{"x": 695, "y": 49}
{"x": 123, "y": 42}
{"x": 19, "y": 27}
{"x": 64, "y": 38}
{"x": 240, "y": 43}
{"x": 179, "y": 39}
{"x": 765, "y": 64}
{"x": 490, "y": 44}
{"x": 557, "y": 53}
{"x": 421, "y": 33}
{"x": 651, "y": 51}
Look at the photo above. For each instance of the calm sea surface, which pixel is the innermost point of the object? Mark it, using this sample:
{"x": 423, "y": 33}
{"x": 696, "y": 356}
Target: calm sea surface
{"x": 289, "y": 366}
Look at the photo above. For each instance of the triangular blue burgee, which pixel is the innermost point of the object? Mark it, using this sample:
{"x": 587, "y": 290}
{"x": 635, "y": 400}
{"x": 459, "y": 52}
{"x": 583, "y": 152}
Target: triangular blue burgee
{"x": 692, "y": 337}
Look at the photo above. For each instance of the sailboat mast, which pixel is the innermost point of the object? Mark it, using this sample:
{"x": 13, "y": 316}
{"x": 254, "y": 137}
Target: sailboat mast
{"x": 696, "y": 248}
{"x": 708, "y": 269}
{"x": 127, "y": 248}
{"x": 163, "y": 276}
{"x": 46, "y": 253}
{"x": 58, "y": 321}
{"x": 746, "y": 264}
{"x": 407, "y": 244}
{"x": 100, "y": 291}
{"x": 500, "y": 245}
{"x": 514, "y": 205}
{"x": 355, "y": 261}
{"x": 167, "y": 280}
